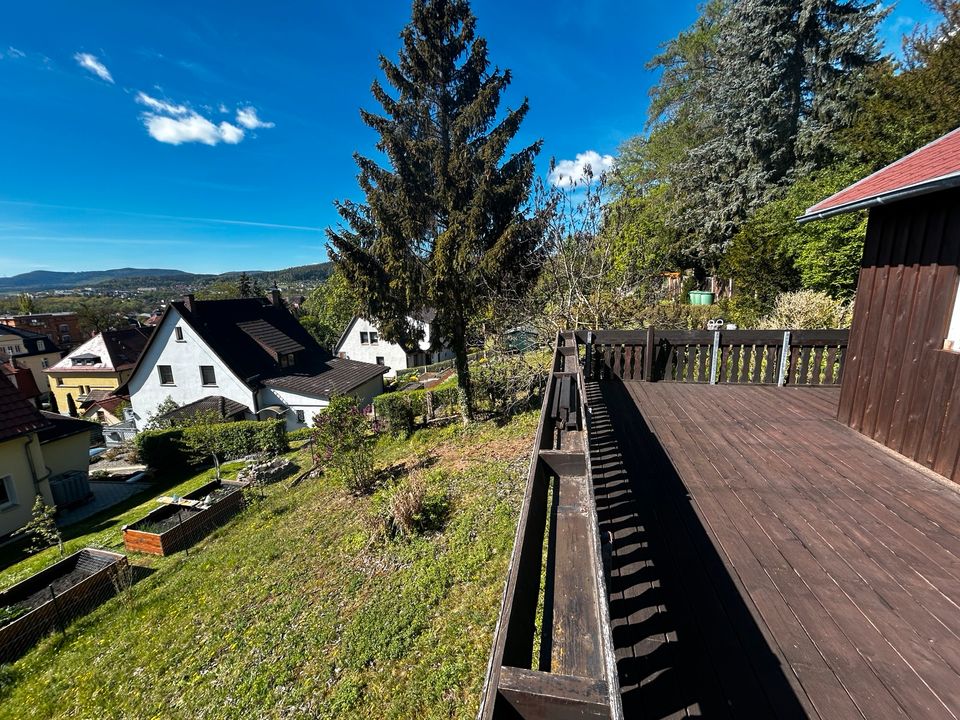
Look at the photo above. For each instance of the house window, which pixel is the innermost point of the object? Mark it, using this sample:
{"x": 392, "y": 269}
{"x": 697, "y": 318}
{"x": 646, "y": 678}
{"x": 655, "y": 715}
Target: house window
{"x": 44, "y": 363}
{"x": 300, "y": 417}
{"x": 8, "y": 497}
{"x": 41, "y": 345}
{"x": 374, "y": 338}
{"x": 64, "y": 328}
{"x": 207, "y": 375}
{"x": 364, "y": 338}
{"x": 178, "y": 331}
{"x": 59, "y": 382}
{"x": 287, "y": 360}
{"x": 65, "y": 338}
{"x": 166, "y": 374}
{"x": 380, "y": 360}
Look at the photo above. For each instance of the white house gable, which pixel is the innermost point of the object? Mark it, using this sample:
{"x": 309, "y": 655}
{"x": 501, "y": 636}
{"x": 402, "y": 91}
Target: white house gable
{"x": 362, "y": 341}
{"x": 180, "y": 365}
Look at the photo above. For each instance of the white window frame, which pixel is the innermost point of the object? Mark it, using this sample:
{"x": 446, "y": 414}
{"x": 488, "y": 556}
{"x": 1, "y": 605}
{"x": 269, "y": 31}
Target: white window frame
{"x": 41, "y": 345}
{"x": 952, "y": 341}
{"x": 11, "y": 489}
{"x": 364, "y": 337}
{"x": 374, "y": 337}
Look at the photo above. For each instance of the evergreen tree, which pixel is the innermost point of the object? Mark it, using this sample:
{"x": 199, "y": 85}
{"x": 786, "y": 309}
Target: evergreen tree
{"x": 42, "y": 527}
{"x": 444, "y": 224}
{"x": 71, "y": 406}
{"x": 789, "y": 75}
{"x": 244, "y": 286}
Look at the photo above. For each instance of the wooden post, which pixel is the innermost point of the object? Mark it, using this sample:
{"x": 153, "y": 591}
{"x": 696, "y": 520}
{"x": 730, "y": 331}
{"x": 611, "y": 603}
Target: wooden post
{"x": 648, "y": 356}
{"x": 588, "y": 357}
{"x": 714, "y": 356}
{"x": 784, "y": 359}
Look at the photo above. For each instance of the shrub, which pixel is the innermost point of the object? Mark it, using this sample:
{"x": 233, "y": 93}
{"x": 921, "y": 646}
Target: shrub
{"x": 395, "y": 412}
{"x": 417, "y": 505}
{"x": 300, "y": 434}
{"x": 808, "y": 310}
{"x": 508, "y": 384}
{"x": 342, "y": 434}
{"x": 678, "y": 316}
{"x": 178, "y": 447}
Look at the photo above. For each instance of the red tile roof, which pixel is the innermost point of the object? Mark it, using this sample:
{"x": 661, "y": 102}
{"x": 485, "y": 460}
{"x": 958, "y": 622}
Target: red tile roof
{"x": 17, "y": 416}
{"x": 925, "y": 170}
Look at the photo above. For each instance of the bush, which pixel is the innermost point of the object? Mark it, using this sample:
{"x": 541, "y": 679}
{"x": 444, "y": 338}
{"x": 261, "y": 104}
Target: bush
{"x": 808, "y": 310}
{"x": 342, "y": 434}
{"x": 678, "y": 316}
{"x": 300, "y": 434}
{"x": 508, "y": 384}
{"x": 179, "y": 447}
{"x": 395, "y": 412}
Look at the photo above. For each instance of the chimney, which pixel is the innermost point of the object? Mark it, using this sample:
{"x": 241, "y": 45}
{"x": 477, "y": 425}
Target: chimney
{"x": 188, "y": 301}
{"x": 275, "y": 296}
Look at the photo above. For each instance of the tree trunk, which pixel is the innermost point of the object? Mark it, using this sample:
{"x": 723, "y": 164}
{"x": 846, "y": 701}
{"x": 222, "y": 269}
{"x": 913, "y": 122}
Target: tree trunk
{"x": 463, "y": 377}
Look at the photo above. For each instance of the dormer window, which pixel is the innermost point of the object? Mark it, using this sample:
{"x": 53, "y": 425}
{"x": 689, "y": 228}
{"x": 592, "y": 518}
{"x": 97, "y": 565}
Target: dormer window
{"x": 85, "y": 360}
{"x": 287, "y": 360}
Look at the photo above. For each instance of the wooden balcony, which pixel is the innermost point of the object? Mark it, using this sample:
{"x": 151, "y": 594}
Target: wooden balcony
{"x": 759, "y": 558}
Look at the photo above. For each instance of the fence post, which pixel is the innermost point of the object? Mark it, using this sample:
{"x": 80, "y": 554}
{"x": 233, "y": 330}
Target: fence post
{"x": 588, "y": 357}
{"x": 56, "y": 609}
{"x": 648, "y": 356}
{"x": 784, "y": 359}
{"x": 714, "y": 356}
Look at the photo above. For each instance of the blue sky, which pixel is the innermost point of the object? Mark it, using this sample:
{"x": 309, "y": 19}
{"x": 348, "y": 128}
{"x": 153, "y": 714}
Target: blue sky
{"x": 215, "y": 136}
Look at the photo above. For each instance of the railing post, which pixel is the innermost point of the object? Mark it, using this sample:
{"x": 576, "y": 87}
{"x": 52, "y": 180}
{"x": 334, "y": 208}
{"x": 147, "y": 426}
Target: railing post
{"x": 648, "y": 356}
{"x": 588, "y": 357}
{"x": 784, "y": 359}
{"x": 714, "y": 356}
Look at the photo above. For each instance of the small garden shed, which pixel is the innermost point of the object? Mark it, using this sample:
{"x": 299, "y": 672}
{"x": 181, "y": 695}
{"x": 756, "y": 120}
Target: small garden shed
{"x": 901, "y": 383}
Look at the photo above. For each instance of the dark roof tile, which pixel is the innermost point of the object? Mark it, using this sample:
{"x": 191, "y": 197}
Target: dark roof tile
{"x": 17, "y": 416}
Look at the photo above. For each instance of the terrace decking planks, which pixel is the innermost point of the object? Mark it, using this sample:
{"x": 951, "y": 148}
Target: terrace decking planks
{"x": 846, "y": 557}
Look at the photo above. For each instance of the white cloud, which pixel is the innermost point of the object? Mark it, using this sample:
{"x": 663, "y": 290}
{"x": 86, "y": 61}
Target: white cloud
{"x": 247, "y": 116}
{"x": 174, "y": 124}
{"x": 569, "y": 173}
{"x": 14, "y": 53}
{"x": 91, "y": 63}
{"x": 161, "y": 106}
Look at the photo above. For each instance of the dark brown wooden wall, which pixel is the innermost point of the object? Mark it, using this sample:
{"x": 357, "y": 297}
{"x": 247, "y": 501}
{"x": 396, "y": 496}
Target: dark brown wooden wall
{"x": 899, "y": 386}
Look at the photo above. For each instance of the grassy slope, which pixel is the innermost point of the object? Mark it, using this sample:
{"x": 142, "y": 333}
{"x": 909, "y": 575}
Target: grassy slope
{"x": 291, "y": 611}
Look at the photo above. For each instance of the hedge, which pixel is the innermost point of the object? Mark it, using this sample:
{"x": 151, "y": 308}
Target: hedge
{"x": 178, "y": 447}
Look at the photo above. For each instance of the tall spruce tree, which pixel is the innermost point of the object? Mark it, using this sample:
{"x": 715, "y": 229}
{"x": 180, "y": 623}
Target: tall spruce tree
{"x": 445, "y": 223}
{"x": 789, "y": 76}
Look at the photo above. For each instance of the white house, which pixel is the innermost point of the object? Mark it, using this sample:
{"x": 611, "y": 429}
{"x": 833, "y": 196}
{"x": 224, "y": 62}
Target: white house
{"x": 250, "y": 351}
{"x": 362, "y": 341}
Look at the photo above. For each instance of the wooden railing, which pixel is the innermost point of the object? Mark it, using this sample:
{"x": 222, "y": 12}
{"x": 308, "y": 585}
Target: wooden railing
{"x": 552, "y": 653}
{"x": 767, "y": 357}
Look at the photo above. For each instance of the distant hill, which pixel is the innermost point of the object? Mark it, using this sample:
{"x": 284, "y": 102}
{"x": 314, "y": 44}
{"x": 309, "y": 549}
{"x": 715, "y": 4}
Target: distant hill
{"x": 131, "y": 278}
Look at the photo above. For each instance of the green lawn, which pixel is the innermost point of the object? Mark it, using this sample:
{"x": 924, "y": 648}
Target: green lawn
{"x": 294, "y": 609}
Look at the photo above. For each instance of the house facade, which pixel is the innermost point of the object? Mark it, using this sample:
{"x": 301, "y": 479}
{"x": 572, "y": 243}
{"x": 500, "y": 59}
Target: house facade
{"x": 901, "y": 381}
{"x": 32, "y": 350}
{"x": 61, "y": 328}
{"x": 95, "y": 369}
{"x": 362, "y": 341}
{"x": 250, "y": 352}
{"x": 37, "y": 451}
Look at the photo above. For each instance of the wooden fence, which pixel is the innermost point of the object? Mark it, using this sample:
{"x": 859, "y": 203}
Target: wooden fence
{"x": 552, "y": 653}
{"x": 767, "y": 357}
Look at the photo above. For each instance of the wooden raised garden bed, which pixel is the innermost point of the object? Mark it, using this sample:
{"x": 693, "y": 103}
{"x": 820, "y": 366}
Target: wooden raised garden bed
{"x": 54, "y": 596}
{"x": 173, "y": 527}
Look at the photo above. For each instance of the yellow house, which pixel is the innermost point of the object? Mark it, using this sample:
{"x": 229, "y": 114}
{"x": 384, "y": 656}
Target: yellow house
{"x": 99, "y": 366}
{"x": 40, "y": 454}
{"x": 33, "y": 351}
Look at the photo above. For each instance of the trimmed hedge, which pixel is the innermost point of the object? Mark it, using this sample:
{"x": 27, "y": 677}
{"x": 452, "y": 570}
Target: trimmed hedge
{"x": 177, "y": 447}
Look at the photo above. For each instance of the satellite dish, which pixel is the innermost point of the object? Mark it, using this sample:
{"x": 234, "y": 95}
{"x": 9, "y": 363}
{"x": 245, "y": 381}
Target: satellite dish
{"x": 716, "y": 324}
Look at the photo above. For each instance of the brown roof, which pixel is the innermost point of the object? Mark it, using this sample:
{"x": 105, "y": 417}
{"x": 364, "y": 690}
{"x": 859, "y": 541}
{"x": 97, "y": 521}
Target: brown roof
{"x": 270, "y": 338}
{"x": 224, "y": 407}
{"x": 20, "y": 376}
{"x": 342, "y": 377}
{"x": 932, "y": 167}
{"x": 17, "y": 416}
{"x": 116, "y": 349}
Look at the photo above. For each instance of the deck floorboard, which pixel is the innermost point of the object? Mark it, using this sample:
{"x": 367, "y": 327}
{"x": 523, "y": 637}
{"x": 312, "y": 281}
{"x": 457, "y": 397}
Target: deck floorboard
{"x": 768, "y": 561}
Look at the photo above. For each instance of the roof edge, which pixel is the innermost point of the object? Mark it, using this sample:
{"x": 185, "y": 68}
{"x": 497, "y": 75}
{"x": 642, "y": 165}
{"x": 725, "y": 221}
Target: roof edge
{"x": 943, "y": 182}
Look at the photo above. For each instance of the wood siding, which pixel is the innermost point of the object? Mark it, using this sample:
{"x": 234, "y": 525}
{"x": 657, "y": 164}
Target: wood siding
{"x": 900, "y": 387}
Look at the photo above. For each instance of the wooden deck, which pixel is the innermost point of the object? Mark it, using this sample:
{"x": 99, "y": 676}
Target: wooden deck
{"x": 768, "y": 561}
